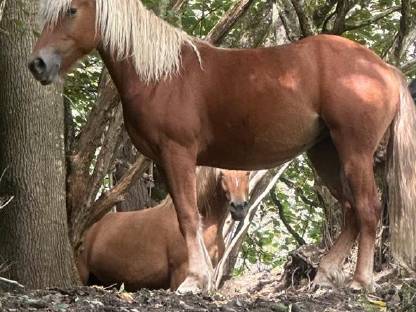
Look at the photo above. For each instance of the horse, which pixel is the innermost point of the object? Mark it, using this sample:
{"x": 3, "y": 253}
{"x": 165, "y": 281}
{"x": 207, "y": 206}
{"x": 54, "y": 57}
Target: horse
{"x": 188, "y": 103}
{"x": 145, "y": 249}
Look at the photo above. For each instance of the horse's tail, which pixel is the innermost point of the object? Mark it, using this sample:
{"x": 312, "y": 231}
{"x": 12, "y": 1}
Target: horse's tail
{"x": 401, "y": 179}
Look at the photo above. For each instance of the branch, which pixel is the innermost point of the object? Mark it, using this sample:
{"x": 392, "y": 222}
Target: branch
{"x": 408, "y": 67}
{"x": 8, "y": 201}
{"x": 227, "y": 22}
{"x": 404, "y": 30}
{"x": 109, "y": 199}
{"x": 322, "y": 11}
{"x": 89, "y": 138}
{"x": 105, "y": 158}
{"x": 298, "y": 191}
{"x": 283, "y": 14}
{"x": 305, "y": 22}
{"x": 341, "y": 12}
{"x": 177, "y": 5}
{"x": 7, "y": 285}
{"x": 280, "y": 209}
{"x": 371, "y": 20}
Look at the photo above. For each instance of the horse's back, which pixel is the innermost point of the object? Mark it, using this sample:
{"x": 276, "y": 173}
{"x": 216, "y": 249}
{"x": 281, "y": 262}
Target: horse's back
{"x": 275, "y": 103}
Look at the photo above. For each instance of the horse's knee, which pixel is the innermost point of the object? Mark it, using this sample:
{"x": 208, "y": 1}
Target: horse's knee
{"x": 369, "y": 215}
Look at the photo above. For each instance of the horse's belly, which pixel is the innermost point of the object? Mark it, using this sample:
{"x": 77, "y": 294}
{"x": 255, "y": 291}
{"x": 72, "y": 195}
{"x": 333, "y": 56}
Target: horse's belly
{"x": 264, "y": 145}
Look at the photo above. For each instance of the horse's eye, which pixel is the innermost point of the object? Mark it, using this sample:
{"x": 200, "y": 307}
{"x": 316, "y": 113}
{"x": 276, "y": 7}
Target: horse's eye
{"x": 71, "y": 12}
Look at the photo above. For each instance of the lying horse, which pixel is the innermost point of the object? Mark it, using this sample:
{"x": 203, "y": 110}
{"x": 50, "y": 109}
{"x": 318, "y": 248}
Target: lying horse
{"x": 145, "y": 249}
{"x": 188, "y": 103}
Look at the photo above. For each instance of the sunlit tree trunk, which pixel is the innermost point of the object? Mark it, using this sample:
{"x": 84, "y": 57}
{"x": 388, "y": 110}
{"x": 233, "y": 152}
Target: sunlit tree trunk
{"x": 33, "y": 229}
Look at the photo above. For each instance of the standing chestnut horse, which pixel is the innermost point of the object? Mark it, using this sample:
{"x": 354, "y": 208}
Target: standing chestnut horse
{"x": 187, "y": 103}
{"x": 145, "y": 249}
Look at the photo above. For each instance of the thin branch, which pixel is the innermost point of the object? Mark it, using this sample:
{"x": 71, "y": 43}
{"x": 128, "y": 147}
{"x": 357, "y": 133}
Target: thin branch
{"x": 178, "y": 5}
{"x": 298, "y": 191}
{"x": 409, "y": 67}
{"x": 2, "y": 206}
{"x": 322, "y": 11}
{"x": 286, "y": 223}
{"x": 9, "y": 284}
{"x": 227, "y": 22}
{"x": 371, "y": 20}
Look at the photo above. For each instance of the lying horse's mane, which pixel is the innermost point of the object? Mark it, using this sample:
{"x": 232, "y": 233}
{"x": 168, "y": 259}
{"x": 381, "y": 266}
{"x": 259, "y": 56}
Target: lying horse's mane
{"x": 129, "y": 29}
{"x": 207, "y": 182}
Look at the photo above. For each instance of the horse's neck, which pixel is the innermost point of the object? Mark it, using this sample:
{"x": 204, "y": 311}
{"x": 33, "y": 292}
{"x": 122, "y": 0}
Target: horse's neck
{"x": 130, "y": 85}
{"x": 123, "y": 75}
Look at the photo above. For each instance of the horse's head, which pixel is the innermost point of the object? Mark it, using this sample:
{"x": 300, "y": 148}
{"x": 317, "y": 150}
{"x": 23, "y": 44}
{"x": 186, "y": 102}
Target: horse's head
{"x": 236, "y": 187}
{"x": 68, "y": 35}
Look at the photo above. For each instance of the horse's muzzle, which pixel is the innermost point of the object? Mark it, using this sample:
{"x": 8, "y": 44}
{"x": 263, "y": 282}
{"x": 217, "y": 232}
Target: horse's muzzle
{"x": 238, "y": 210}
{"x": 45, "y": 67}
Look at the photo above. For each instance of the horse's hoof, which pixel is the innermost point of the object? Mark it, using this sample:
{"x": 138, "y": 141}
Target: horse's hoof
{"x": 333, "y": 279}
{"x": 357, "y": 286}
{"x": 188, "y": 289}
{"x": 195, "y": 286}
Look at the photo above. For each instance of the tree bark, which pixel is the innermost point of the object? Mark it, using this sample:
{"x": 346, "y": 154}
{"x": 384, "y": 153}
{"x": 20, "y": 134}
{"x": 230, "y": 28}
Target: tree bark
{"x": 33, "y": 230}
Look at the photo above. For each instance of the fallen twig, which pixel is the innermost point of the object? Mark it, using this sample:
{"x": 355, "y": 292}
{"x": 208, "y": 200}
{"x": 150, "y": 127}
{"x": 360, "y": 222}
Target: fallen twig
{"x": 10, "y": 284}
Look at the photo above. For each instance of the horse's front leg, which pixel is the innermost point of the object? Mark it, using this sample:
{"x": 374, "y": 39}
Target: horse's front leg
{"x": 179, "y": 165}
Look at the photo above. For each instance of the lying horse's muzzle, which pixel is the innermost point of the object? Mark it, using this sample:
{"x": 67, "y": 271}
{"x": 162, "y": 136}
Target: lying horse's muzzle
{"x": 45, "y": 67}
{"x": 238, "y": 210}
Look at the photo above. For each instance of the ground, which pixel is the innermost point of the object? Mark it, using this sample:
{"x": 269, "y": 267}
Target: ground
{"x": 254, "y": 293}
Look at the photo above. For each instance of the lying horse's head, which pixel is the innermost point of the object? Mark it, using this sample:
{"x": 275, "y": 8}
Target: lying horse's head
{"x": 68, "y": 35}
{"x": 236, "y": 187}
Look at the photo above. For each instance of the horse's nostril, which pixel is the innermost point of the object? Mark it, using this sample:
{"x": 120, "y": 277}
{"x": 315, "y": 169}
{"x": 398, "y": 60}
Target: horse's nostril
{"x": 37, "y": 66}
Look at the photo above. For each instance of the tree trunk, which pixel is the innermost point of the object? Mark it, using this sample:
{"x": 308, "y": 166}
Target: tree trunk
{"x": 33, "y": 230}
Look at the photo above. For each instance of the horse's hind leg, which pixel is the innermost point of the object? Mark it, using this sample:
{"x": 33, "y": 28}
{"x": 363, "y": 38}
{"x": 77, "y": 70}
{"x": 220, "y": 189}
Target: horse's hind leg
{"x": 324, "y": 158}
{"x": 356, "y": 147}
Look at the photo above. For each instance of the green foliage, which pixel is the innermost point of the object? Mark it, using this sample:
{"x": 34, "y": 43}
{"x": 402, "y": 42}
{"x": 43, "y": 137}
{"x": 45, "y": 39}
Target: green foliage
{"x": 269, "y": 241}
{"x": 81, "y": 88}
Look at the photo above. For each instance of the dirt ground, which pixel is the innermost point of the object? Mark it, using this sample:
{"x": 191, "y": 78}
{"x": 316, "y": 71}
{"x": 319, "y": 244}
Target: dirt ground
{"x": 261, "y": 292}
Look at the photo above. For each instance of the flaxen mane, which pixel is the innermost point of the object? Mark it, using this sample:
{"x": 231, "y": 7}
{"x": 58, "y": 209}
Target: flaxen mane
{"x": 129, "y": 29}
{"x": 207, "y": 182}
